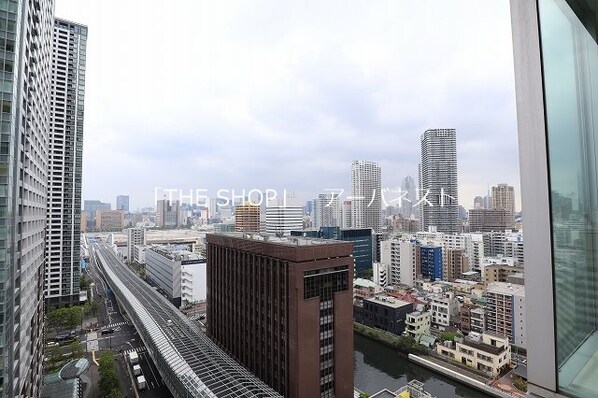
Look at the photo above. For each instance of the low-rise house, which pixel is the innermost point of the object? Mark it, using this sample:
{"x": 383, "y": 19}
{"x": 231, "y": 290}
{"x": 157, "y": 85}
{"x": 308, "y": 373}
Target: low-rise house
{"x": 478, "y": 320}
{"x": 383, "y": 312}
{"x": 417, "y": 324}
{"x": 365, "y": 288}
{"x": 484, "y": 352}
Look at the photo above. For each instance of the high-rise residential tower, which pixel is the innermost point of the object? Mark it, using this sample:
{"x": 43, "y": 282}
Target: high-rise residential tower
{"x": 283, "y": 308}
{"x": 408, "y": 201}
{"x": 247, "y": 217}
{"x": 503, "y": 198}
{"x": 438, "y": 181}
{"x": 63, "y": 239}
{"x": 328, "y": 212}
{"x": 555, "y": 45}
{"x": 122, "y": 203}
{"x": 366, "y": 193}
{"x": 26, "y": 63}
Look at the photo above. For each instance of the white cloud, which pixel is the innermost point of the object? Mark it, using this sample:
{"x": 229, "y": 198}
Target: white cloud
{"x": 264, "y": 93}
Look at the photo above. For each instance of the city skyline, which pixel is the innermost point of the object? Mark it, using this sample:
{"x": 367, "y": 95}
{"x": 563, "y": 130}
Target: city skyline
{"x": 311, "y": 95}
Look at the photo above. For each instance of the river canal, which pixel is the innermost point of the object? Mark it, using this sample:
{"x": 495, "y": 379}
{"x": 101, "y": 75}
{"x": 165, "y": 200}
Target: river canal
{"x": 378, "y": 367}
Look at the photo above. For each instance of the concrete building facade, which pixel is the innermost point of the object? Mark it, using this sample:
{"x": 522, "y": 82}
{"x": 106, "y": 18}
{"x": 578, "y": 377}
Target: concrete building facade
{"x": 107, "y": 220}
{"x": 418, "y": 324}
{"x": 135, "y": 237}
{"x": 63, "y": 239}
{"x": 328, "y": 210}
{"x": 503, "y": 198}
{"x": 247, "y": 218}
{"x": 170, "y": 268}
{"x": 486, "y": 352}
{"x": 168, "y": 213}
{"x": 505, "y": 312}
{"x": 400, "y": 256}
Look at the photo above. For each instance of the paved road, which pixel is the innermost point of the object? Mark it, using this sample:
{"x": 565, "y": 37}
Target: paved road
{"x": 189, "y": 345}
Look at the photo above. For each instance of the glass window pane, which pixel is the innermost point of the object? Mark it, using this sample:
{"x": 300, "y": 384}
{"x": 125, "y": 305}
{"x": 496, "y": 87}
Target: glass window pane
{"x": 570, "y": 64}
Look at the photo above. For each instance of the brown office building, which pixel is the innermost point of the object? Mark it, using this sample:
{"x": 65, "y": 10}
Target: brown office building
{"x": 488, "y": 220}
{"x": 247, "y": 218}
{"x": 282, "y": 307}
{"x": 107, "y": 220}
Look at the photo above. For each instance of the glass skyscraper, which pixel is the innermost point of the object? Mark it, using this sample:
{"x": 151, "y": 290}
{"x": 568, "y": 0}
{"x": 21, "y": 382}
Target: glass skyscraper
{"x": 438, "y": 191}
{"x": 25, "y": 63}
{"x": 556, "y": 71}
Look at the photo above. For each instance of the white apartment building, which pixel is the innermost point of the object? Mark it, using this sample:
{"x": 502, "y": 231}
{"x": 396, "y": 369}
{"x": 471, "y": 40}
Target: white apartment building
{"x": 346, "y": 210}
{"x": 139, "y": 253}
{"x": 380, "y": 274}
{"x": 65, "y": 160}
{"x": 328, "y": 211}
{"x": 400, "y": 256}
{"x": 477, "y": 320}
{"x": 418, "y": 323}
{"x": 135, "y": 236}
{"x": 443, "y": 308}
{"x": 475, "y": 249}
{"x": 513, "y": 247}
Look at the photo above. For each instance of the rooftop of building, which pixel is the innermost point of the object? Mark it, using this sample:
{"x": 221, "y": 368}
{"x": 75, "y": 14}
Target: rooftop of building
{"x": 388, "y": 301}
{"x": 361, "y": 282}
{"x": 154, "y": 235}
{"x": 472, "y": 341}
{"x": 505, "y": 288}
{"x": 466, "y": 282}
{"x": 296, "y": 249}
{"x": 498, "y": 260}
{"x": 293, "y": 241}
{"x": 418, "y": 314}
{"x": 176, "y": 252}
{"x": 478, "y": 310}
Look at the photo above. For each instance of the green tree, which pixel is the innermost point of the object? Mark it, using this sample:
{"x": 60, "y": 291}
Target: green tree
{"x": 76, "y": 349}
{"x": 115, "y": 393}
{"x": 364, "y": 395}
{"x": 520, "y": 384}
{"x": 83, "y": 283}
{"x": 61, "y": 318}
{"x": 108, "y": 376}
{"x": 445, "y": 336}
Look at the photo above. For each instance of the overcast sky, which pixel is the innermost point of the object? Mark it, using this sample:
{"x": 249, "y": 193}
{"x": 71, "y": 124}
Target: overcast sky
{"x": 249, "y": 94}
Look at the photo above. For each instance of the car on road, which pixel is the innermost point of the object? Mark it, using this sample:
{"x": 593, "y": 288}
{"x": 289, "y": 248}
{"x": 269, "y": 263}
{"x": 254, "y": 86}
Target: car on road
{"x": 52, "y": 344}
{"x": 108, "y": 331}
